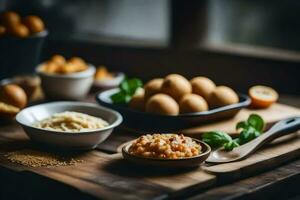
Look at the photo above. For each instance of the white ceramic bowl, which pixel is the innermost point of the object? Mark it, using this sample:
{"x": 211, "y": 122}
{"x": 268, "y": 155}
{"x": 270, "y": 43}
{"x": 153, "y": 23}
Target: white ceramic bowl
{"x": 83, "y": 140}
{"x": 110, "y": 83}
{"x": 67, "y": 86}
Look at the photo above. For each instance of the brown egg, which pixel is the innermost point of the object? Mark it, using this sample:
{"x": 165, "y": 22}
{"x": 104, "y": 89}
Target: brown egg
{"x": 2, "y": 30}
{"x": 10, "y": 18}
{"x": 162, "y": 104}
{"x": 222, "y": 96}
{"x": 176, "y": 86}
{"x": 190, "y": 103}
{"x": 202, "y": 86}
{"x": 34, "y": 23}
{"x": 58, "y": 59}
{"x": 153, "y": 87}
{"x": 13, "y": 95}
{"x": 137, "y": 101}
{"x": 19, "y": 30}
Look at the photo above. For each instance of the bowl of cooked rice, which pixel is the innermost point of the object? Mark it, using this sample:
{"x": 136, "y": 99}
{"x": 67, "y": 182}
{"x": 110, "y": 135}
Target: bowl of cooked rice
{"x": 73, "y": 125}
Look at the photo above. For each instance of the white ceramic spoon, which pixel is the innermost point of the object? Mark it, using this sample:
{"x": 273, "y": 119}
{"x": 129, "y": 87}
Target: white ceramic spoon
{"x": 281, "y": 128}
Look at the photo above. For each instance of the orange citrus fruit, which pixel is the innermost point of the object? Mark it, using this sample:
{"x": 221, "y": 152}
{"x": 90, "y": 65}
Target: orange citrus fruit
{"x": 262, "y": 96}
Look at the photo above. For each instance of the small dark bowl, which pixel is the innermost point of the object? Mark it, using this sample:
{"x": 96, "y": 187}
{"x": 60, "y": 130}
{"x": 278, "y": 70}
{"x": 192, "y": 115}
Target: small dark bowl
{"x": 149, "y": 123}
{"x": 168, "y": 163}
{"x": 20, "y": 55}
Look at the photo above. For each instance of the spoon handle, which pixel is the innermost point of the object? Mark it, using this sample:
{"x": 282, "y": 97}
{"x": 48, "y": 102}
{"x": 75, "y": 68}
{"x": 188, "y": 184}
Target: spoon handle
{"x": 281, "y": 128}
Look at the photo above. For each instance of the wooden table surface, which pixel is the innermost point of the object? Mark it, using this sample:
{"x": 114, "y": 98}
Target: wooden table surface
{"x": 279, "y": 183}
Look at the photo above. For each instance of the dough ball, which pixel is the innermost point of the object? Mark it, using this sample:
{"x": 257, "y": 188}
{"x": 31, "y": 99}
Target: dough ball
{"x": 34, "y": 23}
{"x": 176, "y": 86}
{"x": 2, "y": 30}
{"x": 162, "y": 104}
{"x": 153, "y": 87}
{"x": 78, "y": 61}
{"x": 13, "y": 95}
{"x": 202, "y": 86}
{"x": 190, "y": 103}
{"x": 58, "y": 59}
{"x": 222, "y": 96}
{"x": 19, "y": 30}
{"x": 10, "y": 18}
{"x": 137, "y": 101}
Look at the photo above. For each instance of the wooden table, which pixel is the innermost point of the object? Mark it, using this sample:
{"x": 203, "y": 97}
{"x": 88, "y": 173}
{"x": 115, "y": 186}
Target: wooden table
{"x": 279, "y": 183}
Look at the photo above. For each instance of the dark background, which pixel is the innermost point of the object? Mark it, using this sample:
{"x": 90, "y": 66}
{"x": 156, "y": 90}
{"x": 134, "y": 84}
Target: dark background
{"x": 235, "y": 42}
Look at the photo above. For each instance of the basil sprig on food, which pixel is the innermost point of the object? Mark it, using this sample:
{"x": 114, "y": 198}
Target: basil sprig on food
{"x": 127, "y": 87}
{"x": 250, "y": 129}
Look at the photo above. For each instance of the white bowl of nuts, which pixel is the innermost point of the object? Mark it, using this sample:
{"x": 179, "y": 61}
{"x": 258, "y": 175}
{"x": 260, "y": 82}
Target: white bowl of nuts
{"x": 66, "y": 79}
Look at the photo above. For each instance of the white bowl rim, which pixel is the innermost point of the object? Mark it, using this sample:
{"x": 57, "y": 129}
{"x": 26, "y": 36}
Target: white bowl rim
{"x": 116, "y": 123}
{"x": 90, "y": 71}
{"x": 110, "y": 83}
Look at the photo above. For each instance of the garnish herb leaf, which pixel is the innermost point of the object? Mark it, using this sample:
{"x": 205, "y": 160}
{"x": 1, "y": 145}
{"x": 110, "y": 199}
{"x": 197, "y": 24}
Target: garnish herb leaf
{"x": 120, "y": 97}
{"x": 256, "y": 122}
{"x": 248, "y": 134}
{"x": 250, "y": 129}
{"x": 128, "y": 87}
{"x": 242, "y": 125}
{"x": 231, "y": 145}
{"x": 216, "y": 138}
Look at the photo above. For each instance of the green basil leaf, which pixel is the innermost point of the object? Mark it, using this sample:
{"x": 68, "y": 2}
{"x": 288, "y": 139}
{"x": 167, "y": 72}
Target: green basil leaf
{"x": 231, "y": 145}
{"x": 216, "y": 138}
{"x": 132, "y": 85}
{"x": 237, "y": 140}
{"x": 248, "y": 134}
{"x": 120, "y": 97}
{"x": 257, "y": 134}
{"x": 124, "y": 86}
{"x": 256, "y": 122}
{"x": 242, "y": 124}
{"x": 128, "y": 87}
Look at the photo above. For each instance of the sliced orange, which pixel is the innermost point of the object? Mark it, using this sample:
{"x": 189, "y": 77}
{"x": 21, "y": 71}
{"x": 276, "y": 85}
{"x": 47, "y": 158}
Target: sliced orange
{"x": 262, "y": 96}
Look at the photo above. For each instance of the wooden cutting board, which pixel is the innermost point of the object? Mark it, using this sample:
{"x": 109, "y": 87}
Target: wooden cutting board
{"x": 279, "y": 151}
{"x": 270, "y": 115}
{"x": 108, "y": 176}
{"x": 111, "y": 177}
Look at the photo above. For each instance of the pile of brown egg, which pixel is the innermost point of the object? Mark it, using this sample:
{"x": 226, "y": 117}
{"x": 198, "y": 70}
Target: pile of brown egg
{"x": 175, "y": 94}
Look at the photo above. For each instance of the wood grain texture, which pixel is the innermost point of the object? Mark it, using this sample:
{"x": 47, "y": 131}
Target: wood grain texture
{"x": 108, "y": 176}
{"x": 280, "y": 151}
{"x": 280, "y": 183}
{"x": 111, "y": 177}
{"x": 272, "y": 114}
